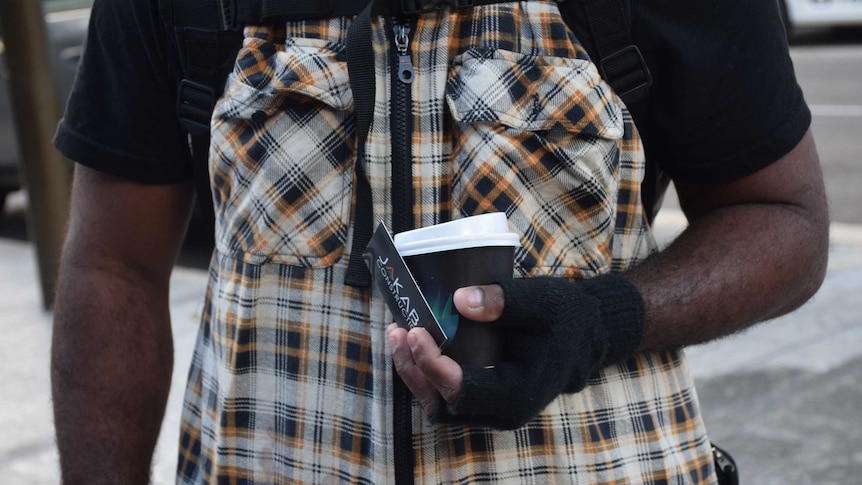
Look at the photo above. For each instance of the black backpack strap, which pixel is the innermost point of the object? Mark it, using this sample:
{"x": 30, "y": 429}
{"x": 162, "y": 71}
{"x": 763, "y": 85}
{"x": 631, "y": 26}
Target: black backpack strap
{"x": 360, "y": 67}
{"x": 207, "y": 46}
{"x": 604, "y": 27}
{"x": 619, "y": 60}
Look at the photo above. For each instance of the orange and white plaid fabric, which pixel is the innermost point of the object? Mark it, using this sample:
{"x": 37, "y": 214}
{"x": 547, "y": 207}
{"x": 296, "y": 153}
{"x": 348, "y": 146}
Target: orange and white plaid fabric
{"x": 291, "y": 377}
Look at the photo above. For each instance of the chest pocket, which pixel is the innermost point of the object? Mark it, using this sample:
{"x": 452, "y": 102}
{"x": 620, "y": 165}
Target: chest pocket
{"x": 536, "y": 137}
{"x": 282, "y": 154}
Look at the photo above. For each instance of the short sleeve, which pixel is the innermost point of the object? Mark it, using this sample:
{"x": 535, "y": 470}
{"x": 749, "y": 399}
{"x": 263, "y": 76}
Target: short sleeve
{"x": 725, "y": 101}
{"x": 120, "y": 117}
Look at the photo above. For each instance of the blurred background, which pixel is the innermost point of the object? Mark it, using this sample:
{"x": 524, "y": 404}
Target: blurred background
{"x": 783, "y": 398}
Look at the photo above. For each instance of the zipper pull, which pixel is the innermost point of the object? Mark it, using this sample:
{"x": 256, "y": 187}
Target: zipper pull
{"x": 402, "y": 44}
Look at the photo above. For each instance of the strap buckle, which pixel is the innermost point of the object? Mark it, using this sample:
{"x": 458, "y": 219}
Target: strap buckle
{"x": 195, "y": 102}
{"x": 626, "y": 70}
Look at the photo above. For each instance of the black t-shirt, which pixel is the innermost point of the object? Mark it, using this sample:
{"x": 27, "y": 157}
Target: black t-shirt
{"x": 121, "y": 114}
{"x": 724, "y": 102}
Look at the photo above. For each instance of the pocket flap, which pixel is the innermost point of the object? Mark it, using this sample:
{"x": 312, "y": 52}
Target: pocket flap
{"x": 310, "y": 68}
{"x": 532, "y": 93}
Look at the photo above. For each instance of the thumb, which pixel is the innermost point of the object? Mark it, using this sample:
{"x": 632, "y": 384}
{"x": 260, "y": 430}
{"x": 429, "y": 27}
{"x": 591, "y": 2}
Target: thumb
{"x": 480, "y": 303}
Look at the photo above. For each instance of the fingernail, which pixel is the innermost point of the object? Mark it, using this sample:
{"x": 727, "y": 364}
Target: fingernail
{"x": 393, "y": 344}
{"x": 412, "y": 340}
{"x": 475, "y": 297}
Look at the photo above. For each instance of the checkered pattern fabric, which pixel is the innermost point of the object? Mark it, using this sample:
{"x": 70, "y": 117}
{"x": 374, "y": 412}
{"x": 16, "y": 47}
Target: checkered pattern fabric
{"x": 291, "y": 377}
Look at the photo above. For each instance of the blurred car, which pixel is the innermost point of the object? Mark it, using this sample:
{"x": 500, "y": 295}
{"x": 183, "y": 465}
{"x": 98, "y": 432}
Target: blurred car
{"x": 820, "y": 13}
{"x": 66, "y": 26}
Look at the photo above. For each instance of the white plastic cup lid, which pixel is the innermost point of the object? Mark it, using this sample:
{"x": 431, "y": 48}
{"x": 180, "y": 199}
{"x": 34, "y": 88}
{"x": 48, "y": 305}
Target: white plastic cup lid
{"x": 470, "y": 232}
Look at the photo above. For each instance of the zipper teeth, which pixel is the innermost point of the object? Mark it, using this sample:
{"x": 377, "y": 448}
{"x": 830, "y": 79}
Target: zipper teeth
{"x": 401, "y": 170}
{"x": 402, "y": 189}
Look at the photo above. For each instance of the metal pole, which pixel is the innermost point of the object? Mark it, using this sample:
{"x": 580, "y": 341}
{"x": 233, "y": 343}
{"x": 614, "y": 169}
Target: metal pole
{"x": 36, "y": 109}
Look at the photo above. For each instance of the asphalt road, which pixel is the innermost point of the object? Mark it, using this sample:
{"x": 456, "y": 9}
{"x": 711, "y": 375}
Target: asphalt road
{"x": 829, "y": 69}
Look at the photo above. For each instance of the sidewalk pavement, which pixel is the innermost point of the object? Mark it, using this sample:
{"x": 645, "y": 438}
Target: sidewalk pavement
{"x": 783, "y": 397}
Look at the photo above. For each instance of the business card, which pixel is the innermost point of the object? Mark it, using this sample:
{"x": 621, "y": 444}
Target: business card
{"x": 393, "y": 279}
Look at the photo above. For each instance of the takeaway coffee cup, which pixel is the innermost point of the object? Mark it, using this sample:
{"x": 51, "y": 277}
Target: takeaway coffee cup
{"x": 474, "y": 250}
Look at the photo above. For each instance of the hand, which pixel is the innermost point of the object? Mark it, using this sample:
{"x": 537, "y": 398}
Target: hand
{"x": 558, "y": 334}
{"x": 428, "y": 374}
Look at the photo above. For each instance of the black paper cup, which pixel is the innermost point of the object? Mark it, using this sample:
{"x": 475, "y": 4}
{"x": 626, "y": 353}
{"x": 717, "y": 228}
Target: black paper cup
{"x": 475, "y": 250}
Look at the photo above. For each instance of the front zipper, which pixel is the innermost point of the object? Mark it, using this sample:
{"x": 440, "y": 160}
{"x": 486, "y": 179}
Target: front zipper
{"x": 402, "y": 126}
{"x": 402, "y": 47}
{"x": 401, "y": 121}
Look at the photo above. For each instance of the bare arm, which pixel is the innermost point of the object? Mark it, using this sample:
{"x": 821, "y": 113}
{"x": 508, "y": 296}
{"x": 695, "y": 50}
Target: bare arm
{"x": 112, "y": 351}
{"x": 756, "y": 248}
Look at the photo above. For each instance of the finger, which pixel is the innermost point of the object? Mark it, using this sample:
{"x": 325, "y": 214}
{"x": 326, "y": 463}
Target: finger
{"x": 402, "y": 356}
{"x": 480, "y": 303}
{"x": 444, "y": 373}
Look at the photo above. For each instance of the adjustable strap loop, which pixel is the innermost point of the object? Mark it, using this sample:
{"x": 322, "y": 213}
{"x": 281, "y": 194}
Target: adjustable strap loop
{"x": 195, "y": 102}
{"x": 620, "y": 61}
{"x": 628, "y": 70}
{"x": 207, "y": 56}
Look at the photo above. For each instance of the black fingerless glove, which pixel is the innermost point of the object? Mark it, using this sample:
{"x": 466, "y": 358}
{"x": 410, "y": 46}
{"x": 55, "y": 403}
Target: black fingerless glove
{"x": 558, "y": 334}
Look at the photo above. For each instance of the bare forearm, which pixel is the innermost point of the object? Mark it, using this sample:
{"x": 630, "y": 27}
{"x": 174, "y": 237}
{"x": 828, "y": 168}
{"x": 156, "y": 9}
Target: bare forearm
{"x": 112, "y": 357}
{"x": 731, "y": 268}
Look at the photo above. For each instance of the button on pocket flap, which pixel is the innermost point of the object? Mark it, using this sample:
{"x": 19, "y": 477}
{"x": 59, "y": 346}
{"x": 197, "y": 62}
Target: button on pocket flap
{"x": 532, "y": 93}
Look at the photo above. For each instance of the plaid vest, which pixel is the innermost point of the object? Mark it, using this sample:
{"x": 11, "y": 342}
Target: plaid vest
{"x": 502, "y": 112}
